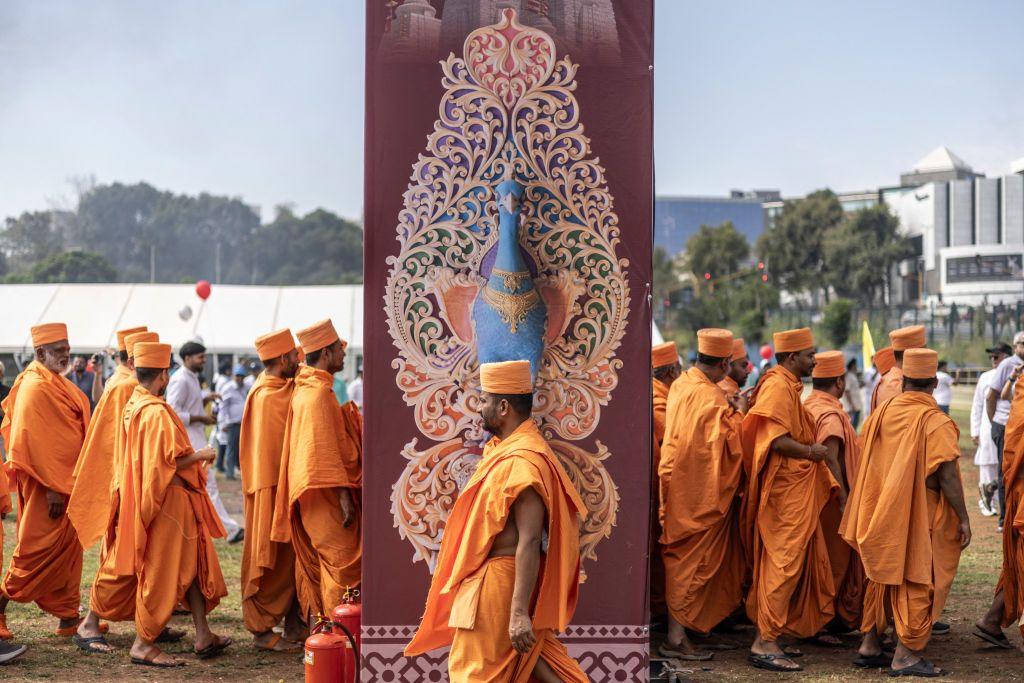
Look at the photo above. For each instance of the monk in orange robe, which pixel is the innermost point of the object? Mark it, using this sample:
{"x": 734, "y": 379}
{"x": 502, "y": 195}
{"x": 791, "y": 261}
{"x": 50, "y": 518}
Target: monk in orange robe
{"x": 884, "y": 361}
{"x": 268, "y": 567}
{"x": 497, "y": 597}
{"x": 833, "y": 428}
{"x": 95, "y": 501}
{"x": 1008, "y": 603}
{"x": 891, "y": 384}
{"x": 906, "y": 517}
{"x": 45, "y": 419}
{"x": 739, "y": 369}
{"x": 124, "y": 368}
{"x": 666, "y": 368}
{"x": 701, "y": 481}
{"x": 790, "y": 484}
{"x": 320, "y": 483}
{"x": 166, "y": 522}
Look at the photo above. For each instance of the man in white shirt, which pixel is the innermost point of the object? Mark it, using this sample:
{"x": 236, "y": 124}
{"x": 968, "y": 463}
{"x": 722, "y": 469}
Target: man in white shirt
{"x": 871, "y": 378}
{"x": 185, "y": 395}
{"x": 981, "y": 434}
{"x": 219, "y": 437}
{"x": 998, "y": 408}
{"x": 943, "y": 393}
{"x": 355, "y": 390}
{"x": 232, "y": 402}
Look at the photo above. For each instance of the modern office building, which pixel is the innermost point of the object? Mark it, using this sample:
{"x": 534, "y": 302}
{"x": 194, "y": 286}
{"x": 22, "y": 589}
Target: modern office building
{"x": 676, "y": 219}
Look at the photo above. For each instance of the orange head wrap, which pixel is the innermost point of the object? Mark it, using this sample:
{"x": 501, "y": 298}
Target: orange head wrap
{"x": 509, "y": 377}
{"x": 274, "y": 344}
{"x": 884, "y": 360}
{"x": 912, "y": 337}
{"x": 48, "y": 333}
{"x": 150, "y": 354}
{"x": 739, "y": 349}
{"x": 664, "y": 354}
{"x": 920, "y": 363}
{"x": 714, "y": 342}
{"x": 122, "y": 334}
{"x": 829, "y": 364}
{"x": 318, "y": 336}
{"x": 789, "y": 341}
{"x": 136, "y": 337}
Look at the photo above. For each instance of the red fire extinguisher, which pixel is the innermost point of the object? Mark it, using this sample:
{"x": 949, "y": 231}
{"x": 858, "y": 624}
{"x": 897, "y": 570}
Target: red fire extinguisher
{"x": 324, "y": 654}
{"x": 347, "y": 619}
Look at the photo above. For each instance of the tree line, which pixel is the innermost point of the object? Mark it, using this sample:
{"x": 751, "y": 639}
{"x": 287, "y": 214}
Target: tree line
{"x": 813, "y": 250}
{"x": 137, "y": 233}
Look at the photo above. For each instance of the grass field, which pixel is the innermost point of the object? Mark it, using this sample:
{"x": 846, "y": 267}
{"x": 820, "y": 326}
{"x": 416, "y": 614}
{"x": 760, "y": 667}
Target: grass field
{"x": 56, "y": 659}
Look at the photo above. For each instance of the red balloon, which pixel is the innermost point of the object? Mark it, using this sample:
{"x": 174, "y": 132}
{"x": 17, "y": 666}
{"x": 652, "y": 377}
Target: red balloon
{"x": 203, "y": 289}
{"x": 766, "y": 352}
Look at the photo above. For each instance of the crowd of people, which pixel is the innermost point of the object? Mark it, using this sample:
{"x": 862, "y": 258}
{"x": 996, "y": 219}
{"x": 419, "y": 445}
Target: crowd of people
{"x": 124, "y": 464}
{"x": 770, "y": 507}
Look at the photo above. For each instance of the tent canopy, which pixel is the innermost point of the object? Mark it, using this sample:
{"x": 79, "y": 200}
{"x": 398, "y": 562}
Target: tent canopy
{"x": 228, "y": 322}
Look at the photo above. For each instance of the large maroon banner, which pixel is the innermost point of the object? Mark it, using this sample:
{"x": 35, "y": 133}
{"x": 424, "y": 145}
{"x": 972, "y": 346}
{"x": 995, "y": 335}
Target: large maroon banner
{"x": 554, "y": 96}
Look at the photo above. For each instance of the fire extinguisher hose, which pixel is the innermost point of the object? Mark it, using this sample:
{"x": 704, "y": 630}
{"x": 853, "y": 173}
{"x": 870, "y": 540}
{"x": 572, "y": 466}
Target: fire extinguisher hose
{"x": 355, "y": 650}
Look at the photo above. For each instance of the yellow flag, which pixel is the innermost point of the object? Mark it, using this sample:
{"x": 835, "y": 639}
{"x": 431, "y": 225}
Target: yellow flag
{"x": 867, "y": 345}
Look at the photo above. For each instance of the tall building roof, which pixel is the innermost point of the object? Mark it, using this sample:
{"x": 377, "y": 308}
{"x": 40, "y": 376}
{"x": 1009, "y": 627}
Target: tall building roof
{"x": 1017, "y": 166}
{"x": 941, "y": 159}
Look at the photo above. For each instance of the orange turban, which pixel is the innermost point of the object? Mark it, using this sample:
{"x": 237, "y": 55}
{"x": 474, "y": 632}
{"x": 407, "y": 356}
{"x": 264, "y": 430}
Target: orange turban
{"x": 121, "y": 334}
{"x": 664, "y": 354}
{"x": 920, "y": 363}
{"x": 884, "y": 360}
{"x": 739, "y": 349}
{"x": 793, "y": 340}
{"x": 150, "y": 354}
{"x": 48, "y": 333}
{"x": 829, "y": 364}
{"x": 912, "y": 337}
{"x": 132, "y": 339}
{"x": 714, "y": 342}
{"x": 318, "y": 336}
{"x": 274, "y": 344}
{"x": 509, "y": 377}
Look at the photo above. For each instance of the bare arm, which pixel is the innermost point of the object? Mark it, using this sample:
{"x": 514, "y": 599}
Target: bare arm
{"x": 832, "y": 445}
{"x": 791, "y": 448}
{"x": 1007, "y": 393}
{"x": 97, "y": 383}
{"x": 953, "y": 490}
{"x": 528, "y": 512}
{"x": 990, "y": 404}
{"x": 207, "y": 454}
{"x": 348, "y": 507}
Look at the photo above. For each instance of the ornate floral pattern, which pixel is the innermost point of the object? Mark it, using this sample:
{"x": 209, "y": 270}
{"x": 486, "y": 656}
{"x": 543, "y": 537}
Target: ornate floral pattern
{"x": 508, "y": 109}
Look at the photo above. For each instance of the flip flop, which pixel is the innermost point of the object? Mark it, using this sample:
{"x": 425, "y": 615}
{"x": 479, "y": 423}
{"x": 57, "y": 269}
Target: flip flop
{"x": 714, "y": 643}
{"x": 873, "y": 661}
{"x": 767, "y": 662}
{"x": 792, "y": 652}
{"x": 825, "y": 640}
{"x": 86, "y": 644}
{"x": 218, "y": 646}
{"x": 665, "y": 650}
{"x": 150, "y": 660}
{"x": 290, "y": 647}
{"x": 991, "y": 638}
{"x": 940, "y": 628}
{"x": 169, "y": 635}
{"x": 922, "y": 668}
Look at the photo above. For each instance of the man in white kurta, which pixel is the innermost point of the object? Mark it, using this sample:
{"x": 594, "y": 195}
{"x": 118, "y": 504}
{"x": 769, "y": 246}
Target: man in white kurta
{"x": 985, "y": 457}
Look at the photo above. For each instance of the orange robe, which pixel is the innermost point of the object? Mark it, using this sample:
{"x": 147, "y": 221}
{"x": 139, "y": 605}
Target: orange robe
{"x": 906, "y": 533}
{"x": 120, "y": 372}
{"x": 167, "y": 523}
{"x": 469, "y": 602}
{"x": 890, "y": 385}
{"x": 701, "y": 477}
{"x": 94, "y": 503}
{"x": 268, "y": 567}
{"x": 659, "y": 396}
{"x": 728, "y": 386}
{"x": 830, "y": 420}
{"x": 45, "y": 419}
{"x": 322, "y": 455}
{"x": 1011, "y": 580}
{"x": 792, "y": 591}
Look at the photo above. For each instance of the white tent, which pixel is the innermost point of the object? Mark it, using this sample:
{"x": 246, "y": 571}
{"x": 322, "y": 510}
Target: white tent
{"x": 228, "y": 322}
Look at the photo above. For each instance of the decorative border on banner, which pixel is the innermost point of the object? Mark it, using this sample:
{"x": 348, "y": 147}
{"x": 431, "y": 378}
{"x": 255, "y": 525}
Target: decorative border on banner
{"x": 606, "y": 652}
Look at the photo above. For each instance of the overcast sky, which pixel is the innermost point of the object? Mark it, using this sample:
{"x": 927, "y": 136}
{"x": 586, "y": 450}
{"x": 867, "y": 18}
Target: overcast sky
{"x": 263, "y": 99}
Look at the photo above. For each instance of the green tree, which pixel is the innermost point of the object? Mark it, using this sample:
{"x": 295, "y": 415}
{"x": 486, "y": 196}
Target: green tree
{"x": 74, "y": 266}
{"x": 282, "y": 249}
{"x": 720, "y": 250}
{"x": 28, "y": 239}
{"x": 860, "y": 252}
{"x": 838, "y": 321}
{"x": 793, "y": 246}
